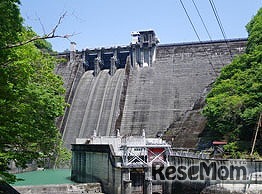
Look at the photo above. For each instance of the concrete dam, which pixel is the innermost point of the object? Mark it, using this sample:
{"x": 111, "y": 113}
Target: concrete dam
{"x": 142, "y": 86}
{"x": 94, "y": 106}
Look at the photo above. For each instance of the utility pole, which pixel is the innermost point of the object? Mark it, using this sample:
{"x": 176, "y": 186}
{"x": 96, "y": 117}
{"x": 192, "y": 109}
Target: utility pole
{"x": 255, "y": 136}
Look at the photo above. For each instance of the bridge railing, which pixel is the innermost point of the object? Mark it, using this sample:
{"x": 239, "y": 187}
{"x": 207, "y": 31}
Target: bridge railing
{"x": 191, "y": 153}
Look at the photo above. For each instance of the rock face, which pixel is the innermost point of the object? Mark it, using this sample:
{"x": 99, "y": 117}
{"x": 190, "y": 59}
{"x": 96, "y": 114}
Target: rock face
{"x": 166, "y": 96}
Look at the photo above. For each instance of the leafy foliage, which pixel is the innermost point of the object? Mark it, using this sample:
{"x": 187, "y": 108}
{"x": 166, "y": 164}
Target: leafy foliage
{"x": 31, "y": 95}
{"x": 235, "y": 101}
{"x": 10, "y": 22}
{"x": 254, "y": 29}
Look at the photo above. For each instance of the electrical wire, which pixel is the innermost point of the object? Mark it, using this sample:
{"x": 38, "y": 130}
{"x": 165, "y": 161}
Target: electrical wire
{"x": 198, "y": 36}
{"x": 218, "y": 18}
{"x": 203, "y": 23}
{"x": 220, "y": 25}
{"x": 190, "y": 20}
{"x": 198, "y": 12}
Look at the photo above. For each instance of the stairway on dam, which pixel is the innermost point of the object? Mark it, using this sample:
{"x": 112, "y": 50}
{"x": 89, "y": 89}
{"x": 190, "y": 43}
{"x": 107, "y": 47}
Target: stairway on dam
{"x": 158, "y": 97}
{"x": 94, "y": 106}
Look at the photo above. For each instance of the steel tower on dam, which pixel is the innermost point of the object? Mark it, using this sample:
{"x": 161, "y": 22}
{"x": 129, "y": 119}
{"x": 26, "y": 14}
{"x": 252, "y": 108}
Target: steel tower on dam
{"x": 142, "y": 86}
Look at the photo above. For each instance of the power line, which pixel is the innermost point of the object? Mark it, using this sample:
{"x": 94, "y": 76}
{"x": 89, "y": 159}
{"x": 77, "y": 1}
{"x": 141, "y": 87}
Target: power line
{"x": 198, "y": 12}
{"x": 202, "y": 20}
{"x": 198, "y": 36}
{"x": 218, "y": 18}
{"x": 220, "y": 25}
{"x": 190, "y": 20}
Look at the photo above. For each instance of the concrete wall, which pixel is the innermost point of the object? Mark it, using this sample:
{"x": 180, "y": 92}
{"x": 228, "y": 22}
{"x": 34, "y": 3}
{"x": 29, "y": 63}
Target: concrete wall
{"x": 91, "y": 188}
{"x": 161, "y": 97}
{"x": 166, "y": 96}
{"x": 95, "y": 163}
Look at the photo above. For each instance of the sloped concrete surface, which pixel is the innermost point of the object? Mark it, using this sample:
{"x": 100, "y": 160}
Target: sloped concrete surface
{"x": 95, "y": 106}
{"x": 160, "y": 96}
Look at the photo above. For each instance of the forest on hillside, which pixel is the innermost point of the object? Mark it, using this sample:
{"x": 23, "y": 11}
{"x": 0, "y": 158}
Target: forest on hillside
{"x": 31, "y": 95}
{"x": 234, "y": 105}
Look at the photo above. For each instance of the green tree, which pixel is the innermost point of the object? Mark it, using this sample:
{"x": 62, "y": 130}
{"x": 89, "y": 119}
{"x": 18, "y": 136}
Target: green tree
{"x": 235, "y": 101}
{"x": 31, "y": 95}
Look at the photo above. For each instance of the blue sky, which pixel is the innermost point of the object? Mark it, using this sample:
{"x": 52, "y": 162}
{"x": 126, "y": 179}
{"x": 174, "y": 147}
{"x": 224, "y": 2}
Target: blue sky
{"x": 104, "y": 23}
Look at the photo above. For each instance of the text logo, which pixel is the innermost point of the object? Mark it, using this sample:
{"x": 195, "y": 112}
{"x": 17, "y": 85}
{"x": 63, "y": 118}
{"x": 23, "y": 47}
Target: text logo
{"x": 200, "y": 172}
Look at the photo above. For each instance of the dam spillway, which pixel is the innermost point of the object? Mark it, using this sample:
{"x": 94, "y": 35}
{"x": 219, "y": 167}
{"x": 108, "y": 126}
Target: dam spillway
{"x": 94, "y": 106}
{"x": 162, "y": 89}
